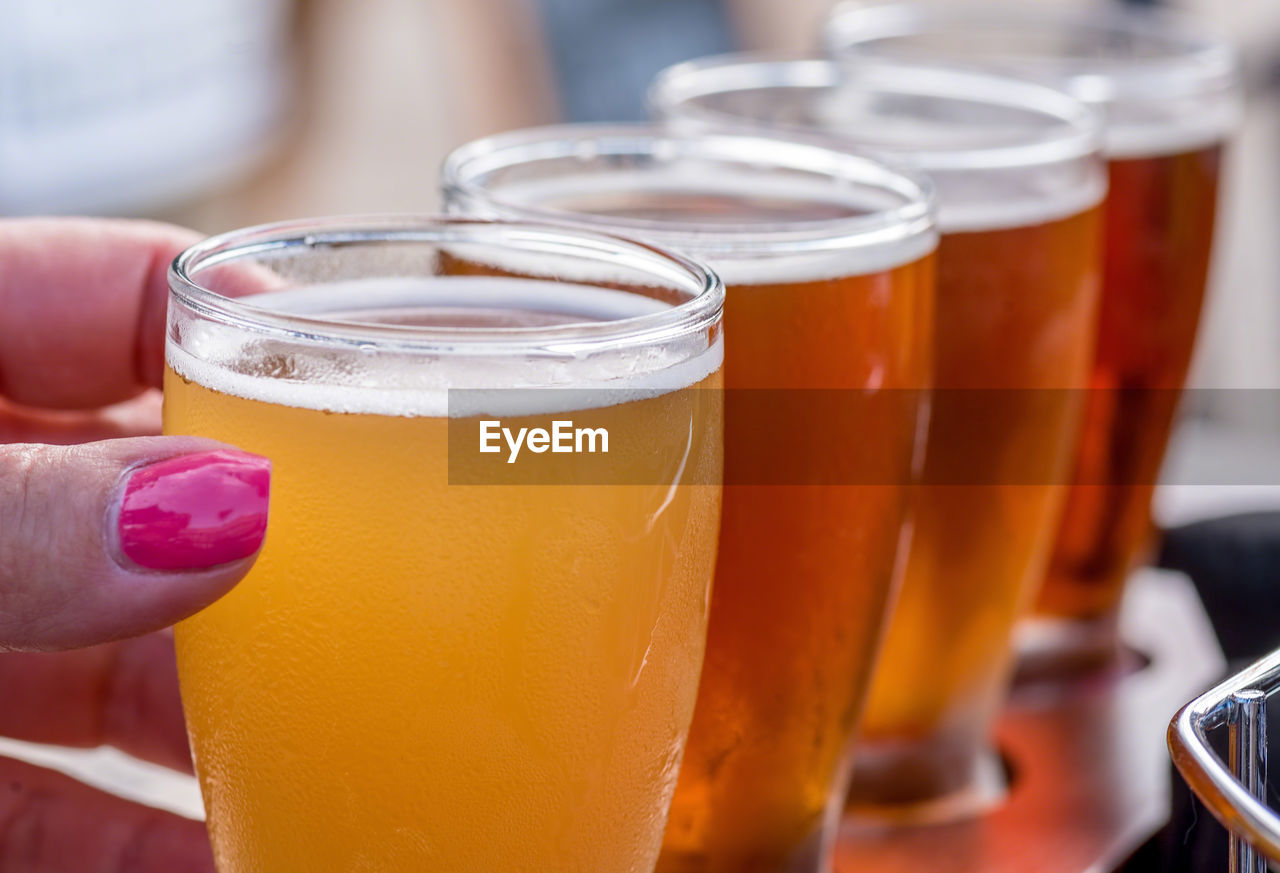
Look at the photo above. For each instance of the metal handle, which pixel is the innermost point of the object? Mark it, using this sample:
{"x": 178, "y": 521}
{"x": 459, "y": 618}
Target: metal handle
{"x": 1234, "y": 791}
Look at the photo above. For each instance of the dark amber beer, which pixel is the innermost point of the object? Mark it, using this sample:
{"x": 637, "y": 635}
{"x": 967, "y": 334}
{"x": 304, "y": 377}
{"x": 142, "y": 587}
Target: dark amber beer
{"x": 979, "y": 549}
{"x": 828, "y": 258}
{"x": 1019, "y": 191}
{"x": 1159, "y": 232}
{"x": 1168, "y": 89}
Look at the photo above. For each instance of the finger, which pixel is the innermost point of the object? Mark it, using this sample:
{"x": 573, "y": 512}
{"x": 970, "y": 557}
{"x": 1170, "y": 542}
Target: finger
{"x": 113, "y": 539}
{"x": 137, "y": 417}
{"x": 84, "y": 305}
{"x": 52, "y": 824}
{"x": 123, "y": 694}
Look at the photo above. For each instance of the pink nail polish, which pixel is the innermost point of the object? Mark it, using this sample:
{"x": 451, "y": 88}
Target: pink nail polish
{"x": 195, "y": 511}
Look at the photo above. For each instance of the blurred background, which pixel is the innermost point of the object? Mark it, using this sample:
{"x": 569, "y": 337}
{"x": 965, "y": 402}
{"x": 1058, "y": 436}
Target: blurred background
{"x": 222, "y": 113}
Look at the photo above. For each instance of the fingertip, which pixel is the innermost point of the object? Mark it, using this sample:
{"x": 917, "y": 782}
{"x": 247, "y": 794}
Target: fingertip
{"x": 114, "y": 539}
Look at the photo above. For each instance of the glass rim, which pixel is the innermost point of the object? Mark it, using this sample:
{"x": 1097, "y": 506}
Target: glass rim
{"x": 667, "y": 269}
{"x": 914, "y": 217}
{"x": 1200, "y": 61}
{"x": 672, "y": 91}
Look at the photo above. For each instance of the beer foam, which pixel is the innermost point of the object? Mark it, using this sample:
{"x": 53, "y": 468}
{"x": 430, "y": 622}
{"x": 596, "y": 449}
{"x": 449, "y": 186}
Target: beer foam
{"x": 958, "y": 213}
{"x": 1130, "y": 136}
{"x": 367, "y": 379}
{"x": 798, "y": 269}
{"x": 761, "y": 245}
{"x": 752, "y": 268}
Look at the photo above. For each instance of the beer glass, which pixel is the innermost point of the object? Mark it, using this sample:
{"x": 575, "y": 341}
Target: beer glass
{"x": 827, "y": 258}
{"x": 1170, "y": 95}
{"x": 430, "y": 667}
{"x": 1019, "y": 185}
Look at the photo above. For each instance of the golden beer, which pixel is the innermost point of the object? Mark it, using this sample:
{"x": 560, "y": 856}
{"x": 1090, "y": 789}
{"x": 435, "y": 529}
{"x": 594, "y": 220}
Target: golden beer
{"x": 829, "y": 300}
{"x": 1019, "y": 185}
{"x": 425, "y": 675}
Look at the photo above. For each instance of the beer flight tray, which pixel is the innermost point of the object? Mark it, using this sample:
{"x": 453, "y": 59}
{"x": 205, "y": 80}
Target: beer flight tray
{"x": 1089, "y": 768}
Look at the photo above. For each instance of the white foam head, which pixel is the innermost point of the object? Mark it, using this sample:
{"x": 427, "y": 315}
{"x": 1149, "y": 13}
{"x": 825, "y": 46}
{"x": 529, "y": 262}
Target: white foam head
{"x": 968, "y": 203}
{"x": 798, "y": 269}
{"x": 1145, "y": 131}
{"x": 374, "y": 379}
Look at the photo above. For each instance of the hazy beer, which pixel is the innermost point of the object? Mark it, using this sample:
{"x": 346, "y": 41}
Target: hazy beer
{"x": 1169, "y": 91}
{"x": 827, "y": 260}
{"x": 1019, "y": 187}
{"x": 420, "y": 674}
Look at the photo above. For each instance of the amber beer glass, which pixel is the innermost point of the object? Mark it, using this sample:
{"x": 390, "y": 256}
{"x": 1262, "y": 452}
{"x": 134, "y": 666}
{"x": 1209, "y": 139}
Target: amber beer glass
{"x": 1019, "y": 187}
{"x": 827, "y": 258}
{"x": 428, "y": 669}
{"x": 1169, "y": 92}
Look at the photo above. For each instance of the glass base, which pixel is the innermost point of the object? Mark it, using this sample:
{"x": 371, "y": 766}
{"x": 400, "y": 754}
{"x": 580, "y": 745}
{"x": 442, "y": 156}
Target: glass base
{"x": 1057, "y": 649}
{"x": 900, "y": 785}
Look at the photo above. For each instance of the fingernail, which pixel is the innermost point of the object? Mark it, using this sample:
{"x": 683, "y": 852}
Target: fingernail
{"x": 195, "y": 511}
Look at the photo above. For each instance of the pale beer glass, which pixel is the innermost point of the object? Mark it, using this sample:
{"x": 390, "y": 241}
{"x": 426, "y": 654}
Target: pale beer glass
{"x": 439, "y": 662}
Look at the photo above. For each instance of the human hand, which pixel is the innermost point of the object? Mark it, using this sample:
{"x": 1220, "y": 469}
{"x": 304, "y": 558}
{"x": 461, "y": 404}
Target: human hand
{"x": 101, "y": 542}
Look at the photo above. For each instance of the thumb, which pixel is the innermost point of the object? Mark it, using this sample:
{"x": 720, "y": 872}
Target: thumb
{"x": 113, "y": 539}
